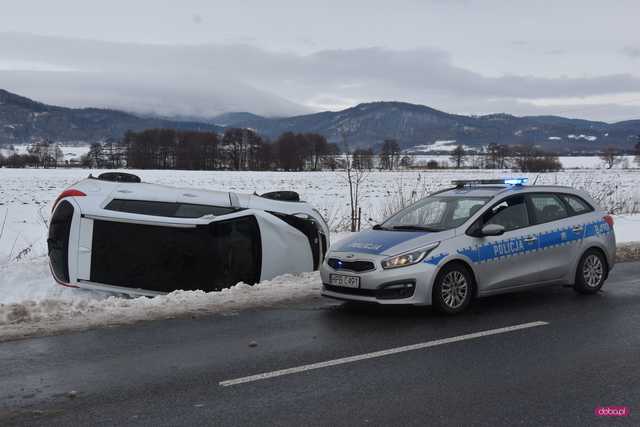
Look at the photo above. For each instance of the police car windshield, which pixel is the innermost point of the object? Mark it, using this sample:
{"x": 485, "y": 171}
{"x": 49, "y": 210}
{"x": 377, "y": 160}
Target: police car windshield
{"x": 435, "y": 213}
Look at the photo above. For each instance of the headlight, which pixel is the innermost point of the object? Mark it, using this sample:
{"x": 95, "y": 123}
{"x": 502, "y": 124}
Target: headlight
{"x": 409, "y": 258}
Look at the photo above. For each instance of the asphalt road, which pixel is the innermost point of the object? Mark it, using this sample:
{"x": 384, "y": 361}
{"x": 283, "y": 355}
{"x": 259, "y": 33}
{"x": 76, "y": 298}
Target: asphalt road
{"x": 583, "y": 352}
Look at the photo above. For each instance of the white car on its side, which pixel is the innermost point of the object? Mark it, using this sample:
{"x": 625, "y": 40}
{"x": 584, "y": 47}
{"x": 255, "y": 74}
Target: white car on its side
{"x": 116, "y": 233}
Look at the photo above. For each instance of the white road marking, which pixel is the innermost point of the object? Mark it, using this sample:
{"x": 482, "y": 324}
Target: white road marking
{"x": 381, "y": 353}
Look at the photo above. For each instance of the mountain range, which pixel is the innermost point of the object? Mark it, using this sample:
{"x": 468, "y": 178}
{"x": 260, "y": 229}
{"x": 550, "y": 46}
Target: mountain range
{"x": 23, "y": 120}
{"x": 417, "y": 128}
{"x": 421, "y": 128}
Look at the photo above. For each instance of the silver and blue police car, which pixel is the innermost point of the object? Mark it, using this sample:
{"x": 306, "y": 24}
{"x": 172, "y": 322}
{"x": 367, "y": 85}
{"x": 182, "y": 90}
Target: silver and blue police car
{"x": 476, "y": 239}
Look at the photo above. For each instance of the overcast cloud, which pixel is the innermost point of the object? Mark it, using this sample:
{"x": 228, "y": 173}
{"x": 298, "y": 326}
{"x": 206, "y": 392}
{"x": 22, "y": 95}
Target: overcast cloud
{"x": 257, "y": 66}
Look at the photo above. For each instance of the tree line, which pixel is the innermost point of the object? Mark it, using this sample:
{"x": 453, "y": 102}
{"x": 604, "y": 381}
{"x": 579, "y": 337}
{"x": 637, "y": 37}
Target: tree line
{"x": 41, "y": 154}
{"x": 236, "y": 149}
{"x": 244, "y": 149}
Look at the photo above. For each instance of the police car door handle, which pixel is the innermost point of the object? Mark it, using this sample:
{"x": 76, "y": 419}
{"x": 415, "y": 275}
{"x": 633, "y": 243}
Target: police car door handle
{"x": 578, "y": 228}
{"x": 530, "y": 239}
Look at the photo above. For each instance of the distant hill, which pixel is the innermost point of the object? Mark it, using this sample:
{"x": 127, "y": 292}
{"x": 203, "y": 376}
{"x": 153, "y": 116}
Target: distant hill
{"x": 22, "y": 120}
{"x": 424, "y": 128}
{"x": 417, "y": 128}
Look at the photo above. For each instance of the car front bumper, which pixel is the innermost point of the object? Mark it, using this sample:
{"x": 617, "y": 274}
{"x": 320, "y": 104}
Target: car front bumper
{"x": 405, "y": 285}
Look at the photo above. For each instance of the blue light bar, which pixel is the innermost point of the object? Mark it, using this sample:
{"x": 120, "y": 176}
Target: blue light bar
{"x": 516, "y": 181}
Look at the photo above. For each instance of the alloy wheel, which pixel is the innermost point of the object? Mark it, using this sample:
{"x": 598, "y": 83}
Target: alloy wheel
{"x": 592, "y": 271}
{"x": 454, "y": 289}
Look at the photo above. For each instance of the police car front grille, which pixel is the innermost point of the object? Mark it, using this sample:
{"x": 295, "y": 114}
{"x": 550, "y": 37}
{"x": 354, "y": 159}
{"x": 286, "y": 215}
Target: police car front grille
{"x": 357, "y": 266}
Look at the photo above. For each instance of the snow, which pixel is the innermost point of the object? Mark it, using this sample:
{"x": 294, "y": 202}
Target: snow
{"x": 440, "y": 145}
{"x": 554, "y": 138}
{"x": 82, "y": 309}
{"x": 627, "y": 228}
{"x": 594, "y": 162}
{"x": 30, "y": 301}
{"x": 582, "y": 136}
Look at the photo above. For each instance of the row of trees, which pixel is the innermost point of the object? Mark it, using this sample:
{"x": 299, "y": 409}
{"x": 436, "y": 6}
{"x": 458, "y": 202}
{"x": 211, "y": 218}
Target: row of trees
{"x": 41, "y": 154}
{"x": 236, "y": 149}
{"x": 612, "y": 156}
{"x": 244, "y": 149}
{"x": 524, "y": 158}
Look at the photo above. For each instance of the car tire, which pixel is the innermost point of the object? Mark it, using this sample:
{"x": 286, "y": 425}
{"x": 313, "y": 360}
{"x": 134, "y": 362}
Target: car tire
{"x": 591, "y": 272}
{"x": 452, "y": 289}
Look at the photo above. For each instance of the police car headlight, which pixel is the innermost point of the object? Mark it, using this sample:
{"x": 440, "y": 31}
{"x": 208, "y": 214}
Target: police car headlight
{"x": 409, "y": 258}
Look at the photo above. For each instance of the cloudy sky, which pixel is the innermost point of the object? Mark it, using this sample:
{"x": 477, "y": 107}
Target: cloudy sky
{"x": 198, "y": 58}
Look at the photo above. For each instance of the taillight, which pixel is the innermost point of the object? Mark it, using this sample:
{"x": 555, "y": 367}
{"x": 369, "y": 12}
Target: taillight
{"x": 609, "y": 220}
{"x": 67, "y": 193}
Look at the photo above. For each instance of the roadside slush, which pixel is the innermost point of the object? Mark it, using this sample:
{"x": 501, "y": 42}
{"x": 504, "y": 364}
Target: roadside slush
{"x": 626, "y": 252}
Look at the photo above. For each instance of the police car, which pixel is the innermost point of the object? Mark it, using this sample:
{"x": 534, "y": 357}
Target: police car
{"x": 475, "y": 239}
{"x": 116, "y": 233}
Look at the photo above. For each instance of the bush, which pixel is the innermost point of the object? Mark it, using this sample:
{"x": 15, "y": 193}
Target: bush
{"x": 531, "y": 159}
{"x": 432, "y": 164}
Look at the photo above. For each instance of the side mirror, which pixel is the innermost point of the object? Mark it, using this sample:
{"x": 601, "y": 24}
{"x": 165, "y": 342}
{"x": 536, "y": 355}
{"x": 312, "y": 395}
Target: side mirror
{"x": 492, "y": 230}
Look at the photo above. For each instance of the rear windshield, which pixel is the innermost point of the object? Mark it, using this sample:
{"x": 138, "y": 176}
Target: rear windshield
{"x": 58, "y": 241}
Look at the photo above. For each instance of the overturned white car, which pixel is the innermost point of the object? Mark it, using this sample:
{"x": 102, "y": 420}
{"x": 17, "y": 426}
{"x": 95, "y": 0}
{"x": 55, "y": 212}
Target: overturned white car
{"x": 116, "y": 233}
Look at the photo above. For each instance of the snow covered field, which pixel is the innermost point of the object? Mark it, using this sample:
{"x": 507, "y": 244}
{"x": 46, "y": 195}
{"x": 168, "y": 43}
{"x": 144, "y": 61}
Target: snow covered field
{"x": 31, "y": 302}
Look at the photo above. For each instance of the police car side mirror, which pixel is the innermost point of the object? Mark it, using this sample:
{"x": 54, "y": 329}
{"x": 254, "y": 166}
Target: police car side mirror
{"x": 492, "y": 230}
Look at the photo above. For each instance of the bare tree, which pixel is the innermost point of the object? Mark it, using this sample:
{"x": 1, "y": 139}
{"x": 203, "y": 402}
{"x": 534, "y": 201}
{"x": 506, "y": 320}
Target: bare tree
{"x": 407, "y": 161}
{"x": 362, "y": 159}
{"x": 389, "y": 154}
{"x": 531, "y": 159}
{"x": 497, "y": 156}
{"x": 330, "y": 159}
{"x": 354, "y": 177}
{"x": 610, "y": 156}
{"x": 458, "y": 156}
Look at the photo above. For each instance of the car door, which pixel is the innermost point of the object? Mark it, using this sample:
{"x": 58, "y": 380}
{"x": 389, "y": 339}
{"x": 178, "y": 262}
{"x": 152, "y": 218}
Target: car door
{"x": 509, "y": 259}
{"x": 558, "y": 233}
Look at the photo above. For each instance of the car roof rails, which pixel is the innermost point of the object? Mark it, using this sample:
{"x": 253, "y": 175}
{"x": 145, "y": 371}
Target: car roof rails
{"x": 502, "y": 182}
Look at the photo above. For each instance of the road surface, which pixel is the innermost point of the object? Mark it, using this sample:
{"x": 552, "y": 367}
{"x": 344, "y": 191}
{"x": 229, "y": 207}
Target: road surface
{"x": 542, "y": 357}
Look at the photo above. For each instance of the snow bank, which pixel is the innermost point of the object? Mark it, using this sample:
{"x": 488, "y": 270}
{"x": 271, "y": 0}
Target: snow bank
{"x": 627, "y": 228}
{"x": 48, "y": 308}
{"x": 31, "y": 281}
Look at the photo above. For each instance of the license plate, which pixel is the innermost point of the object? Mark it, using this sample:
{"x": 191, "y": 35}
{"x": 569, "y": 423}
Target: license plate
{"x": 345, "y": 281}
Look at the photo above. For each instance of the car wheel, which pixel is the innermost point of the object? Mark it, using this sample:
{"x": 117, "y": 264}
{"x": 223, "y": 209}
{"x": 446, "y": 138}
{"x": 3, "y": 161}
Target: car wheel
{"x": 592, "y": 271}
{"x": 452, "y": 289}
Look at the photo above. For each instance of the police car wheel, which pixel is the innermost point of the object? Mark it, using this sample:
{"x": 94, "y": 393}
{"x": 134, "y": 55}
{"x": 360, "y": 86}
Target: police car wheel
{"x": 452, "y": 289}
{"x": 592, "y": 271}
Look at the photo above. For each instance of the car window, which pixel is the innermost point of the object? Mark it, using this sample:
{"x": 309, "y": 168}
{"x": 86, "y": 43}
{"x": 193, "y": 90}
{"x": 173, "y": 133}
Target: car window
{"x": 547, "y": 207}
{"x": 465, "y": 209}
{"x": 436, "y": 212}
{"x": 167, "y": 209}
{"x": 577, "y": 205}
{"x": 187, "y": 210}
{"x": 510, "y": 213}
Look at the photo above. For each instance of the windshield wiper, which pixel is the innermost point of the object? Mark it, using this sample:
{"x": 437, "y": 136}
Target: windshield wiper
{"x": 415, "y": 227}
